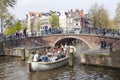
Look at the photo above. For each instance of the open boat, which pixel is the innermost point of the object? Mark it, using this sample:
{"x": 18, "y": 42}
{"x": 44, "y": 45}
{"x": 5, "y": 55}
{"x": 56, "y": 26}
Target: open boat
{"x": 40, "y": 66}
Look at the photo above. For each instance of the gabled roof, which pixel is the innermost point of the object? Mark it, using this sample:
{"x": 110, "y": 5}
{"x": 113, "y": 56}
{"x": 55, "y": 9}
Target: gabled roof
{"x": 35, "y": 13}
{"x": 80, "y": 12}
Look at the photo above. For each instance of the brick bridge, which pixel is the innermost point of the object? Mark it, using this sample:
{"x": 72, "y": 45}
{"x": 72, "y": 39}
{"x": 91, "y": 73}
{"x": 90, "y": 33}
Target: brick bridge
{"x": 92, "y": 41}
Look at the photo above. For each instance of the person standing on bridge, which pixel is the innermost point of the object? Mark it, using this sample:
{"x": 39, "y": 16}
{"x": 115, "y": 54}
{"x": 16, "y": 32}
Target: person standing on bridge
{"x": 17, "y": 34}
{"x": 24, "y": 32}
{"x": 103, "y": 45}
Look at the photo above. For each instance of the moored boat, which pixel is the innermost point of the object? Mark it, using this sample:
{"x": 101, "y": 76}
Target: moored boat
{"x": 41, "y": 66}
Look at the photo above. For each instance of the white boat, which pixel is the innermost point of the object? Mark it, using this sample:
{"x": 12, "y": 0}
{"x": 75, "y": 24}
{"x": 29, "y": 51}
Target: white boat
{"x": 40, "y": 66}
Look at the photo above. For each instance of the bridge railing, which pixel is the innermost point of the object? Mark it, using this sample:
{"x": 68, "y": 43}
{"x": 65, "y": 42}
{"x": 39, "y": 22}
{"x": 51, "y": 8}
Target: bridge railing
{"x": 88, "y": 31}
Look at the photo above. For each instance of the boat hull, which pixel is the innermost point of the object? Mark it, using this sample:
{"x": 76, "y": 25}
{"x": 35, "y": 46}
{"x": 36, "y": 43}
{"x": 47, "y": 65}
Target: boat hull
{"x": 40, "y": 66}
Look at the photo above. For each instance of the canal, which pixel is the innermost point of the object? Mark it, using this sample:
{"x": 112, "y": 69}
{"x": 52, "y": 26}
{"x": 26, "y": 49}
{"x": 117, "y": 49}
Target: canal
{"x": 13, "y": 68}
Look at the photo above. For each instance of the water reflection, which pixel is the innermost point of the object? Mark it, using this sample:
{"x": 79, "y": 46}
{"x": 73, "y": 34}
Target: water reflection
{"x": 13, "y": 68}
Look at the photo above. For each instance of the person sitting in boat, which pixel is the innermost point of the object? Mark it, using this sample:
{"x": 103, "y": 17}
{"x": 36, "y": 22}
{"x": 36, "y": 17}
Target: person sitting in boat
{"x": 49, "y": 55}
{"x": 67, "y": 52}
{"x": 61, "y": 46}
{"x": 54, "y": 56}
{"x": 59, "y": 55}
{"x": 56, "y": 48}
{"x": 63, "y": 53}
{"x": 44, "y": 57}
{"x": 72, "y": 50}
{"x": 65, "y": 47}
{"x": 36, "y": 56}
{"x": 40, "y": 54}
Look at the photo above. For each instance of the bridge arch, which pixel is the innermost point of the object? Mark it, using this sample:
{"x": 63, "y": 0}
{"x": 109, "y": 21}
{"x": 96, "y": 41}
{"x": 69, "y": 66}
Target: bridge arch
{"x": 72, "y": 37}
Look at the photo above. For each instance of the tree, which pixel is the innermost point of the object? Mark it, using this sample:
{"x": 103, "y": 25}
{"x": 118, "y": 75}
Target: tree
{"x": 9, "y": 20}
{"x": 4, "y": 12}
{"x": 24, "y": 24}
{"x": 98, "y": 16}
{"x": 12, "y": 29}
{"x": 117, "y": 17}
{"x": 112, "y": 24}
{"x": 54, "y": 20}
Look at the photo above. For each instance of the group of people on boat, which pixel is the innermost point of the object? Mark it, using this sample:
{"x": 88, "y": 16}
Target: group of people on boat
{"x": 50, "y": 55}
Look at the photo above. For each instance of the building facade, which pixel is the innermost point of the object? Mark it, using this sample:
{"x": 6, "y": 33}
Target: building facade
{"x": 70, "y": 20}
{"x": 62, "y": 20}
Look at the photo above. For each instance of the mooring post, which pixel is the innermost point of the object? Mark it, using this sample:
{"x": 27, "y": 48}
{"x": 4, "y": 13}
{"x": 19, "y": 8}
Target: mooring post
{"x": 111, "y": 48}
{"x": 23, "y": 53}
{"x": 71, "y": 57}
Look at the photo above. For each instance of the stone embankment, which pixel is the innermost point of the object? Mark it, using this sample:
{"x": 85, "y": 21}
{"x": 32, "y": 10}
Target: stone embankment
{"x": 100, "y": 57}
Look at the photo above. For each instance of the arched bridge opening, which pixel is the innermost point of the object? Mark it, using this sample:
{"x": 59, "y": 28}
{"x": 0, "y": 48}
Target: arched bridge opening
{"x": 77, "y": 43}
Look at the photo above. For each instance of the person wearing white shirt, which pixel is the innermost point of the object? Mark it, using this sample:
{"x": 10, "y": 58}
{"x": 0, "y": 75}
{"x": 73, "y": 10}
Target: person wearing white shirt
{"x": 36, "y": 56}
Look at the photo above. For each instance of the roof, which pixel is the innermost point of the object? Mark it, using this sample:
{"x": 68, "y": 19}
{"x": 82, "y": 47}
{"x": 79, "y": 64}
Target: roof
{"x": 35, "y": 13}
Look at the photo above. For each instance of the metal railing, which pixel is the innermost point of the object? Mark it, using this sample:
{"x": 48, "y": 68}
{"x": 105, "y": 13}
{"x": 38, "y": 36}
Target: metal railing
{"x": 88, "y": 31}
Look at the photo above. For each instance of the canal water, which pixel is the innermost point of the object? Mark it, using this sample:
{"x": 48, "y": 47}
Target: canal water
{"x": 13, "y": 68}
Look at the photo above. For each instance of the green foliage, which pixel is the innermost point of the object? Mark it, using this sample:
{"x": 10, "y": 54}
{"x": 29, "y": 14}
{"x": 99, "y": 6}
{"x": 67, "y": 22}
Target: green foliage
{"x": 24, "y": 24}
{"x": 7, "y": 3}
{"x": 117, "y": 17}
{"x": 12, "y": 29}
{"x": 4, "y": 5}
{"x": 4, "y": 12}
{"x": 54, "y": 20}
{"x": 98, "y": 16}
{"x": 112, "y": 24}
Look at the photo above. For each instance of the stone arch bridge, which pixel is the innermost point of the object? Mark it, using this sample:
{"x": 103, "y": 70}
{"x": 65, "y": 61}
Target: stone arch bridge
{"x": 92, "y": 41}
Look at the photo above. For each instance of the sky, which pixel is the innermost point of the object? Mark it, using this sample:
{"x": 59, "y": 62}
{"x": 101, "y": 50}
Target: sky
{"x": 23, "y": 7}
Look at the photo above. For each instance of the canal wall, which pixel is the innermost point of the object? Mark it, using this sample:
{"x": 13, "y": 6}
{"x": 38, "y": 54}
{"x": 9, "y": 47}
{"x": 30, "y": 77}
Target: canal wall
{"x": 107, "y": 59}
{"x": 7, "y": 47}
{"x": 1, "y": 48}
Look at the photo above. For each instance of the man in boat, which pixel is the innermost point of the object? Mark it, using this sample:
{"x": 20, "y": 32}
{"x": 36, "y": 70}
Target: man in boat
{"x": 61, "y": 46}
{"x": 65, "y": 47}
{"x": 72, "y": 49}
{"x": 44, "y": 57}
{"x": 36, "y": 56}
